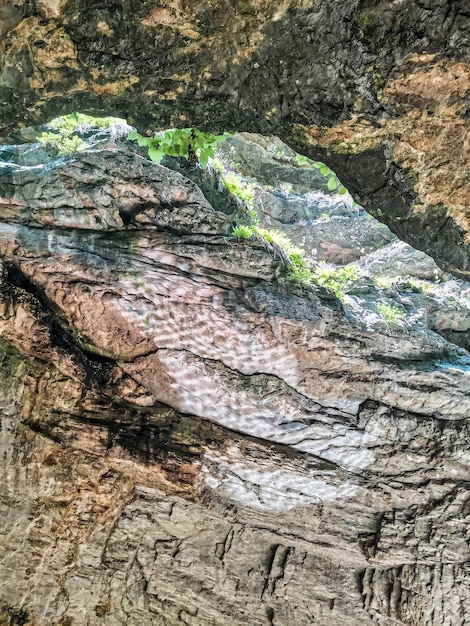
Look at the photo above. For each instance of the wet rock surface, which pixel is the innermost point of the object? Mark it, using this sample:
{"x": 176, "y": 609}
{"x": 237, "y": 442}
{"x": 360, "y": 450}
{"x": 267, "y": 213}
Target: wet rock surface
{"x": 185, "y": 440}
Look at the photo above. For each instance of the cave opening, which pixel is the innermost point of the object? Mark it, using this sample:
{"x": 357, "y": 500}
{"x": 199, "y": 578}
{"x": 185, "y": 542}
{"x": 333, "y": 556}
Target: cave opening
{"x": 296, "y": 207}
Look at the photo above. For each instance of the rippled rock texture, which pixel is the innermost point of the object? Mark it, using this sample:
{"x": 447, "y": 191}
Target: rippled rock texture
{"x": 186, "y": 440}
{"x": 379, "y": 90}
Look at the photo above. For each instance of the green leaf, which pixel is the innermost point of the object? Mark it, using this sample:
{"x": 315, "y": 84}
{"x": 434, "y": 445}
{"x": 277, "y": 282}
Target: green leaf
{"x": 203, "y": 158}
{"x": 176, "y": 142}
{"x": 342, "y": 190}
{"x": 176, "y": 150}
{"x": 332, "y": 183}
{"x": 143, "y": 141}
{"x": 302, "y": 160}
{"x": 156, "y": 154}
{"x": 133, "y": 135}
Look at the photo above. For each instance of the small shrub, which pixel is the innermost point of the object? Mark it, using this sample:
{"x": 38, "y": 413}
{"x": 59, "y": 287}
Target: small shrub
{"x": 337, "y": 279}
{"x": 290, "y": 255}
{"x": 79, "y": 122}
{"x": 63, "y": 144}
{"x": 299, "y": 270}
{"x": 392, "y": 314}
{"x": 240, "y": 188}
{"x": 190, "y": 143}
{"x": 66, "y": 131}
{"x": 242, "y": 232}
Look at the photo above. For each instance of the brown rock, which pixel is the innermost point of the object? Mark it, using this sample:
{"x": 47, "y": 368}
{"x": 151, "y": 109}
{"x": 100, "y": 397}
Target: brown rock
{"x": 378, "y": 91}
{"x": 185, "y": 441}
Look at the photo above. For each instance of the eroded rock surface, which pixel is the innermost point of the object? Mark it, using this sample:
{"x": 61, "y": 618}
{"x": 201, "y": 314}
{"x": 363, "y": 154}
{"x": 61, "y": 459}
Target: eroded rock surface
{"x": 187, "y": 441}
{"x": 378, "y": 90}
{"x": 293, "y": 197}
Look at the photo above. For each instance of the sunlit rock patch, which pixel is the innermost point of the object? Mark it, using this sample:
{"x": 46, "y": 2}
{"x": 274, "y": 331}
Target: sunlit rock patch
{"x": 194, "y": 436}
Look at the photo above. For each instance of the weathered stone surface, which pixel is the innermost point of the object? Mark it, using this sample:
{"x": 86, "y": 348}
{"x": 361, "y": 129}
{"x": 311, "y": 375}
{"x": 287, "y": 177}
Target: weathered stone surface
{"x": 378, "y": 90}
{"x": 294, "y": 198}
{"x": 184, "y": 441}
{"x": 400, "y": 259}
{"x": 104, "y": 191}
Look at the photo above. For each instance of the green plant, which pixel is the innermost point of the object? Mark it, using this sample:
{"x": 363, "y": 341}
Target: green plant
{"x": 79, "y": 122}
{"x": 290, "y": 255}
{"x": 300, "y": 268}
{"x": 392, "y": 314}
{"x": 63, "y": 144}
{"x": 303, "y": 160}
{"x": 190, "y": 143}
{"x": 242, "y": 232}
{"x": 337, "y": 279}
{"x": 333, "y": 183}
{"x": 218, "y": 164}
{"x": 385, "y": 282}
{"x": 240, "y": 188}
{"x": 66, "y": 131}
{"x": 237, "y": 185}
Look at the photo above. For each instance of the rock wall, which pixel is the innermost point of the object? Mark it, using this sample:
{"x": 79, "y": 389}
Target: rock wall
{"x": 378, "y": 90}
{"x": 186, "y": 440}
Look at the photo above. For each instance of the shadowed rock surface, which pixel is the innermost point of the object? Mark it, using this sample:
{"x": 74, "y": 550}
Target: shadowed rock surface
{"x": 379, "y": 90}
{"x": 185, "y": 440}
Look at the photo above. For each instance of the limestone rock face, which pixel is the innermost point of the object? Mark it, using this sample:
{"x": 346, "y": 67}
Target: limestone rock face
{"x": 378, "y": 90}
{"x": 293, "y": 197}
{"x": 185, "y": 440}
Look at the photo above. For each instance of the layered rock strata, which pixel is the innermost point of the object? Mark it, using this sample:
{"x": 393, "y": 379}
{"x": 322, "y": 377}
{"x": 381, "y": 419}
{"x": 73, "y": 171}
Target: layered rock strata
{"x": 186, "y": 440}
{"x": 378, "y": 90}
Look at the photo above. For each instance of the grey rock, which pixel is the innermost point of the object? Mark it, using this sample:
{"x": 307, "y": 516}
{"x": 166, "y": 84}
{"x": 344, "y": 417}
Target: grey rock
{"x": 185, "y": 441}
{"x": 271, "y": 162}
{"x": 296, "y": 200}
{"x": 378, "y": 91}
{"x": 102, "y": 190}
{"x": 400, "y": 259}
